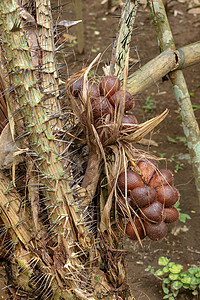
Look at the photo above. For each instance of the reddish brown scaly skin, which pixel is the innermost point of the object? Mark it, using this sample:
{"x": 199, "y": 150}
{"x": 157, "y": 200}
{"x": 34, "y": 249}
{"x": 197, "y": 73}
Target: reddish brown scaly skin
{"x": 170, "y": 215}
{"x": 109, "y": 85}
{"x": 129, "y": 121}
{"x": 153, "y": 212}
{"x": 167, "y": 195}
{"x": 101, "y": 107}
{"x": 162, "y": 177}
{"x": 143, "y": 196}
{"x": 117, "y": 97}
{"x": 93, "y": 91}
{"x": 147, "y": 169}
{"x": 155, "y": 231}
{"x": 133, "y": 180}
{"x": 75, "y": 86}
{"x": 131, "y": 232}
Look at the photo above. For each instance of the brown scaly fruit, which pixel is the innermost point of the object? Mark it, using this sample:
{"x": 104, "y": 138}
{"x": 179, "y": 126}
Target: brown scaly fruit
{"x": 133, "y": 180}
{"x": 118, "y": 96}
{"x": 155, "y": 231}
{"x": 75, "y": 86}
{"x": 153, "y": 212}
{"x": 129, "y": 121}
{"x": 101, "y": 107}
{"x": 170, "y": 214}
{"x": 162, "y": 177}
{"x": 167, "y": 195}
{"x": 131, "y": 232}
{"x": 143, "y": 196}
{"x": 147, "y": 168}
{"x": 109, "y": 85}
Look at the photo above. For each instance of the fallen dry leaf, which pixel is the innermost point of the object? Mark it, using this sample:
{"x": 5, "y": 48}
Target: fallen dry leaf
{"x": 8, "y": 149}
{"x": 194, "y": 11}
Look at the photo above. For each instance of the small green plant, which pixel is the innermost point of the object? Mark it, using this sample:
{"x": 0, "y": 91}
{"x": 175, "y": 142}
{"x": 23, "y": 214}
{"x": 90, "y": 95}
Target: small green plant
{"x": 162, "y": 155}
{"x": 171, "y": 140}
{"x": 182, "y": 217}
{"x": 179, "y": 166}
{"x": 174, "y": 278}
{"x": 149, "y": 104}
{"x": 182, "y": 140}
{"x": 178, "y": 139}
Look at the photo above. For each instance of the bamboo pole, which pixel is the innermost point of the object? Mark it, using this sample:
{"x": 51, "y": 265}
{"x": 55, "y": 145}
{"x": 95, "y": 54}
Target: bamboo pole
{"x": 190, "y": 125}
{"x": 151, "y": 72}
{"x": 189, "y": 55}
{"x": 167, "y": 61}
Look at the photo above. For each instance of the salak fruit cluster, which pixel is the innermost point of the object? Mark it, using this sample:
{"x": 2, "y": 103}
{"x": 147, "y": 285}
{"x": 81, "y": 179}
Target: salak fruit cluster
{"x": 150, "y": 195}
{"x": 104, "y": 98}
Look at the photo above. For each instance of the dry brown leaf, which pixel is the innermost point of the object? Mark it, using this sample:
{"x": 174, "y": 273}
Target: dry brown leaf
{"x": 8, "y": 148}
{"x": 25, "y": 15}
{"x": 148, "y": 142}
{"x": 143, "y": 129}
{"x": 67, "y": 23}
{"x": 194, "y": 11}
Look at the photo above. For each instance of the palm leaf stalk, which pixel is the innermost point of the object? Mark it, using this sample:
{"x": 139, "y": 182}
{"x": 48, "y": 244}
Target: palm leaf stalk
{"x": 122, "y": 42}
{"x": 190, "y": 125}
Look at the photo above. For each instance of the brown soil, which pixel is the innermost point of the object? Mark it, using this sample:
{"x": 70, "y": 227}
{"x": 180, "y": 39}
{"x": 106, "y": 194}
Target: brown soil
{"x": 182, "y": 244}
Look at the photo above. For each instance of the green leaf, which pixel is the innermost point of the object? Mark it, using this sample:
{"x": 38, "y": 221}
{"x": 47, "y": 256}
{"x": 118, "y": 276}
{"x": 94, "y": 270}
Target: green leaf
{"x": 195, "y": 107}
{"x": 171, "y": 298}
{"x": 165, "y": 290}
{"x": 171, "y": 264}
{"x": 166, "y": 281}
{"x": 184, "y": 217}
{"x": 176, "y": 285}
{"x": 177, "y": 204}
{"x": 184, "y": 274}
{"x": 176, "y": 268}
{"x": 181, "y": 139}
{"x": 159, "y": 272}
{"x": 171, "y": 140}
{"x": 186, "y": 280}
{"x": 195, "y": 281}
{"x": 163, "y": 261}
{"x": 166, "y": 297}
{"x": 192, "y": 270}
{"x": 186, "y": 286}
{"x": 165, "y": 269}
{"x": 173, "y": 276}
{"x": 197, "y": 274}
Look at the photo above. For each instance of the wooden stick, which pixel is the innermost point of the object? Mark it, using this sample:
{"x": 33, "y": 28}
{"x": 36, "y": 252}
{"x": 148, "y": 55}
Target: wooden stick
{"x": 151, "y": 72}
{"x": 79, "y": 27}
{"x": 189, "y": 55}
{"x": 190, "y": 125}
{"x": 158, "y": 67}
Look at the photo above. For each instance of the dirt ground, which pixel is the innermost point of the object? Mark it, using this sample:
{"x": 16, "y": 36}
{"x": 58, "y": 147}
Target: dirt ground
{"x": 182, "y": 244}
